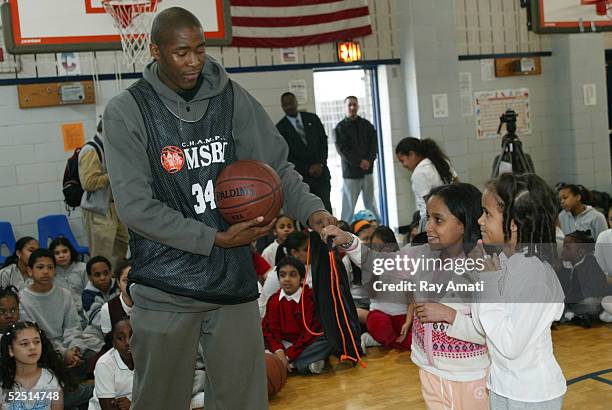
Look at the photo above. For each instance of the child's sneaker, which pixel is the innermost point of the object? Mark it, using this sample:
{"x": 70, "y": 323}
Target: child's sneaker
{"x": 316, "y": 367}
{"x": 368, "y": 341}
{"x": 605, "y": 317}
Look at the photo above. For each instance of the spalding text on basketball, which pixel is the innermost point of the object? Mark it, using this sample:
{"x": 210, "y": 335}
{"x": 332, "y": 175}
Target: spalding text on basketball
{"x": 247, "y": 190}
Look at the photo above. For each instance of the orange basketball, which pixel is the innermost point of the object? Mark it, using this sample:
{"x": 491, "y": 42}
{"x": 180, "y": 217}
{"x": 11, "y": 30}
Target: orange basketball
{"x": 247, "y": 189}
{"x": 277, "y": 374}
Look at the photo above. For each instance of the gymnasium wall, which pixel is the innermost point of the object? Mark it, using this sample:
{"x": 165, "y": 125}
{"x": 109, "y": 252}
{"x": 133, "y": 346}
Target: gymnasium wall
{"x": 31, "y": 151}
{"x": 32, "y": 159}
{"x": 569, "y": 141}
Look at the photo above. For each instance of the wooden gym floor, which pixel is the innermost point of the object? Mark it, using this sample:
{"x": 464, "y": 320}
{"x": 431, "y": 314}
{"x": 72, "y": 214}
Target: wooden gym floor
{"x": 391, "y": 381}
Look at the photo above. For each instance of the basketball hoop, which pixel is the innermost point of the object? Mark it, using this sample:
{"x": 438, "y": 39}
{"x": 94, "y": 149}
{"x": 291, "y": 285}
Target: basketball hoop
{"x": 602, "y": 7}
{"x": 132, "y": 18}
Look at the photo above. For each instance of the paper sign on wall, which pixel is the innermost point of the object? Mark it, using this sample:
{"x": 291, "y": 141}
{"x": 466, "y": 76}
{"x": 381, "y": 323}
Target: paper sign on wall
{"x": 74, "y": 136}
{"x": 298, "y": 87}
{"x": 590, "y": 94}
{"x": 289, "y": 55}
{"x": 68, "y": 64}
{"x": 465, "y": 94}
{"x": 490, "y": 105}
{"x": 487, "y": 70}
{"x": 440, "y": 105}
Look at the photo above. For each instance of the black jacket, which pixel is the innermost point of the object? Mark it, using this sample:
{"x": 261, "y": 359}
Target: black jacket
{"x": 303, "y": 156}
{"x": 356, "y": 140}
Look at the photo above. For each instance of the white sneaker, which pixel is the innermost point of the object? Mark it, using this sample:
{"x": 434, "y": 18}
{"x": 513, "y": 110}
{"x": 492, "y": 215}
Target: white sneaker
{"x": 368, "y": 341}
{"x": 316, "y": 367}
{"x": 605, "y": 317}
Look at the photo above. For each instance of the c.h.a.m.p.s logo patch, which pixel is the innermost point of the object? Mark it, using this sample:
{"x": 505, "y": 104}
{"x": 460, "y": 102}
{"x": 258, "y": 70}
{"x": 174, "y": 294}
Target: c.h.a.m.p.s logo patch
{"x": 172, "y": 159}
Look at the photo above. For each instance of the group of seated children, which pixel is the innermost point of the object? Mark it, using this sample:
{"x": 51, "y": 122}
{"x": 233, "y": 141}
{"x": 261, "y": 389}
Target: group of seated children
{"x": 46, "y": 299}
{"x": 586, "y": 273}
{"x": 292, "y": 332}
{"x": 49, "y": 329}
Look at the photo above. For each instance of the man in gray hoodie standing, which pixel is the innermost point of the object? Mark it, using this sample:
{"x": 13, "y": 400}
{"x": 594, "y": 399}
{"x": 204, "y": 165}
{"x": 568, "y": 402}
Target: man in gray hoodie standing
{"x": 193, "y": 282}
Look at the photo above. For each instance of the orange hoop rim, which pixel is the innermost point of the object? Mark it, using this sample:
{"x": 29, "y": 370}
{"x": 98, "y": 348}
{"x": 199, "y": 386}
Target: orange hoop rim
{"x": 125, "y": 11}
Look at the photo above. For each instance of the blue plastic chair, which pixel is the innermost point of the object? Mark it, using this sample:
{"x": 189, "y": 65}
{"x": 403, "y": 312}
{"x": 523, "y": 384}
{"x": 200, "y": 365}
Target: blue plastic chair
{"x": 54, "y": 226}
{"x": 7, "y": 237}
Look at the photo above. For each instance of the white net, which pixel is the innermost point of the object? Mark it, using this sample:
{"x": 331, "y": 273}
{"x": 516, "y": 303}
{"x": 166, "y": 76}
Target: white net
{"x": 132, "y": 19}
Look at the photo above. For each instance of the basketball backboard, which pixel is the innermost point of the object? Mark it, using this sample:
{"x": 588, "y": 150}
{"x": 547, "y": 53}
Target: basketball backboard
{"x": 48, "y": 26}
{"x": 570, "y": 16}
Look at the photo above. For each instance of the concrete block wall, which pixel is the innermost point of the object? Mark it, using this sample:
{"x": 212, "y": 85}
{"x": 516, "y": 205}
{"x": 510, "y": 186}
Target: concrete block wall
{"x": 33, "y": 161}
{"x": 400, "y": 201}
{"x": 583, "y": 136}
{"x": 569, "y": 141}
{"x": 475, "y": 164}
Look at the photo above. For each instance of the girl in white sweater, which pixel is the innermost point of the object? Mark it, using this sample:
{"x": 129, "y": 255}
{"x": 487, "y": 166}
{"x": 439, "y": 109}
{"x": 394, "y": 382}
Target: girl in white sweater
{"x": 519, "y": 217}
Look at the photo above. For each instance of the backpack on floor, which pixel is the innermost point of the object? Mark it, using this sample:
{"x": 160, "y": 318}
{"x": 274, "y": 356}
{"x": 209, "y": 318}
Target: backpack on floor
{"x": 71, "y": 183}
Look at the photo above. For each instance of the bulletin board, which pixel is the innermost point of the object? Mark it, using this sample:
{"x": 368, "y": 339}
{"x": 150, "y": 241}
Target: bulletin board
{"x": 490, "y": 105}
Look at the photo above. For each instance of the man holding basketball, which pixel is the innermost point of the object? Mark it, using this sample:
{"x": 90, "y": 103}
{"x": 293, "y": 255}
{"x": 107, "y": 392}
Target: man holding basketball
{"x": 168, "y": 137}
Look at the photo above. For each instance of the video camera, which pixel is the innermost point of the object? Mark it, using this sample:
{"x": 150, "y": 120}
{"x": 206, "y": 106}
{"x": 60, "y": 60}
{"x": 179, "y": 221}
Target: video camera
{"x": 512, "y": 158}
{"x": 508, "y": 118}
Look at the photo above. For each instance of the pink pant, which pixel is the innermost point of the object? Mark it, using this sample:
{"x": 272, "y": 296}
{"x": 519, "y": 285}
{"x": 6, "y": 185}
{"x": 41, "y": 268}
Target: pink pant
{"x": 442, "y": 394}
{"x": 385, "y": 329}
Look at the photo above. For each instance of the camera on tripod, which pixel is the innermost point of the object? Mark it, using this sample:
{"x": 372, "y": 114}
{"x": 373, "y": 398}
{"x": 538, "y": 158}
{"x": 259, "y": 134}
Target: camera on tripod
{"x": 508, "y": 118}
{"x": 512, "y": 158}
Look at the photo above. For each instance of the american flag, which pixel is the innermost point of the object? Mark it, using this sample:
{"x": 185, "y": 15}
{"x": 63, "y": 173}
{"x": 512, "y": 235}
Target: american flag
{"x": 293, "y": 23}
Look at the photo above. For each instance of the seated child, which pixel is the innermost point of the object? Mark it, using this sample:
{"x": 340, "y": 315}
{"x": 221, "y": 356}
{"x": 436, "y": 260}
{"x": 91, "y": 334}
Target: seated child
{"x": 114, "y": 371}
{"x": 119, "y": 306}
{"x": 296, "y": 245}
{"x": 283, "y": 325}
{"x": 283, "y": 226}
{"x": 38, "y": 377}
{"x": 100, "y": 288}
{"x": 52, "y": 308}
{"x": 70, "y": 274}
{"x": 585, "y": 283}
{"x": 576, "y": 214}
{"x": 389, "y": 322}
{"x": 15, "y": 269}
{"x": 9, "y": 307}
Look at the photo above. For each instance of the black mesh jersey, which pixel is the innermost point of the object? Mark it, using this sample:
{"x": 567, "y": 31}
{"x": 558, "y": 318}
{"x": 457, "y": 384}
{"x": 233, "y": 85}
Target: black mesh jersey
{"x": 185, "y": 159}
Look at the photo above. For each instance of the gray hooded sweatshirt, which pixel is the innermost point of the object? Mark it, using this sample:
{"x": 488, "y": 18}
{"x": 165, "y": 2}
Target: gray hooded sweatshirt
{"x": 255, "y": 137}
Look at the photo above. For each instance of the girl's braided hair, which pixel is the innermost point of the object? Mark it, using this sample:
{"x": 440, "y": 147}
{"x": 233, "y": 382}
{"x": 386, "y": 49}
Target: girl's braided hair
{"x": 533, "y": 206}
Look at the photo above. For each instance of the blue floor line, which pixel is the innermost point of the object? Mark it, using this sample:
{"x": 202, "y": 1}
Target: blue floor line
{"x": 591, "y": 376}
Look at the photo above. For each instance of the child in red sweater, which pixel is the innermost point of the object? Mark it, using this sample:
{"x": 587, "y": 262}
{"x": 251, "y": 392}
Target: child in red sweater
{"x": 283, "y": 327}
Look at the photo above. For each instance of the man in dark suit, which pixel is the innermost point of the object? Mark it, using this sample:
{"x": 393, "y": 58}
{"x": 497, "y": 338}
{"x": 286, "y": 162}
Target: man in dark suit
{"x": 307, "y": 142}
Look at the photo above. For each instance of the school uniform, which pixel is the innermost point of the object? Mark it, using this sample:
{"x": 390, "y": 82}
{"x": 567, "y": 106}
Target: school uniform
{"x": 603, "y": 251}
{"x": 283, "y": 329}
{"x": 269, "y": 254}
{"x": 272, "y": 284}
{"x": 113, "y": 379}
{"x": 112, "y": 311}
{"x": 424, "y": 178}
